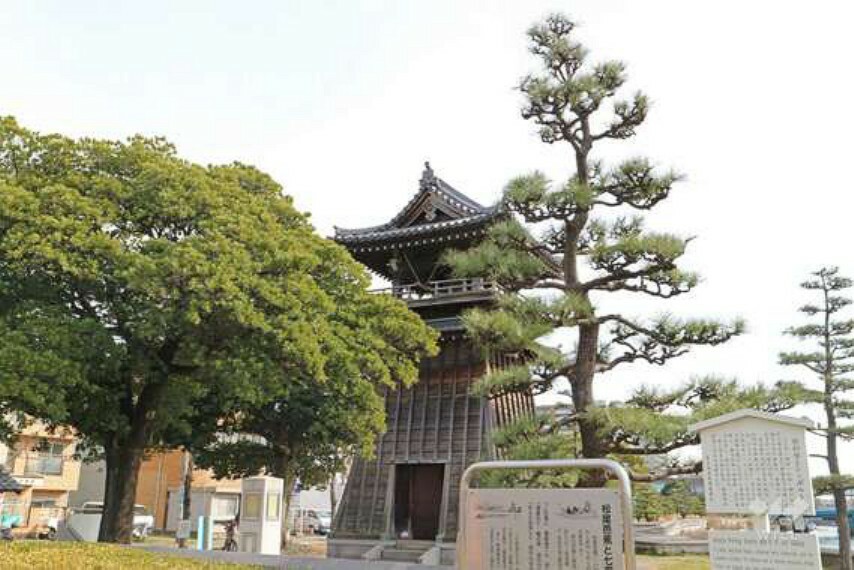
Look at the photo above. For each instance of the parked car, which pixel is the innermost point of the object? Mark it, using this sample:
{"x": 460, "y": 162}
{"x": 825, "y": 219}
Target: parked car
{"x": 142, "y": 521}
{"x": 312, "y": 521}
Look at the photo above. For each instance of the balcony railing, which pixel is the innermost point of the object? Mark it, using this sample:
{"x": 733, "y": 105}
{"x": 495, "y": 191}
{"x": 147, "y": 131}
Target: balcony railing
{"x": 442, "y": 288}
{"x": 43, "y": 464}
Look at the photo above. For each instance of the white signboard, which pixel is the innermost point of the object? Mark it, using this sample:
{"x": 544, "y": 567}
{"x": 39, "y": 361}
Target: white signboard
{"x": 30, "y": 481}
{"x": 183, "y": 531}
{"x": 754, "y": 466}
{"x": 745, "y": 550}
{"x": 539, "y": 529}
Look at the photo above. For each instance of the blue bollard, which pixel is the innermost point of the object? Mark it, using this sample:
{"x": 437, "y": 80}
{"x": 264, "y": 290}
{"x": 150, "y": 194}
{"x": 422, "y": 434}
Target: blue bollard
{"x": 200, "y": 534}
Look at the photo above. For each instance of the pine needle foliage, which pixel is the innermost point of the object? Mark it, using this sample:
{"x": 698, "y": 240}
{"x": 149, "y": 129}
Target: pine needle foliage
{"x": 564, "y": 243}
{"x": 831, "y": 364}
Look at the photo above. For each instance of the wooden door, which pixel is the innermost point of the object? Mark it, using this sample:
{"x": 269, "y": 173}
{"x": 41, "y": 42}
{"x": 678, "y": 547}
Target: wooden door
{"x": 425, "y": 499}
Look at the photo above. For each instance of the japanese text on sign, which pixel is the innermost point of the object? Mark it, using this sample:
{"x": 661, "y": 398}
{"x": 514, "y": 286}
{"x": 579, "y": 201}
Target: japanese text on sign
{"x": 746, "y": 471}
{"x": 543, "y": 529}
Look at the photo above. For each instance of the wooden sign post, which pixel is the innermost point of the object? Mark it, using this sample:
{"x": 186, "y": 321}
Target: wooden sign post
{"x": 505, "y": 529}
{"x": 755, "y": 463}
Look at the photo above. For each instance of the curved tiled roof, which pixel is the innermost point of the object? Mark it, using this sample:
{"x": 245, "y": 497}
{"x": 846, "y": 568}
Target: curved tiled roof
{"x": 437, "y": 214}
{"x": 464, "y": 212}
{"x": 389, "y": 232}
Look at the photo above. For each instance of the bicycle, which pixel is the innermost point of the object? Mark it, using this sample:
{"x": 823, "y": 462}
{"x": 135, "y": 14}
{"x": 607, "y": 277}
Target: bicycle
{"x": 230, "y": 544}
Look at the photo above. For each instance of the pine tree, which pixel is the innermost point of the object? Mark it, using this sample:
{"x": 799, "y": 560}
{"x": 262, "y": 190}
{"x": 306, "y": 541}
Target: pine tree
{"x": 832, "y": 363}
{"x": 649, "y": 504}
{"x": 587, "y": 246}
{"x": 683, "y": 501}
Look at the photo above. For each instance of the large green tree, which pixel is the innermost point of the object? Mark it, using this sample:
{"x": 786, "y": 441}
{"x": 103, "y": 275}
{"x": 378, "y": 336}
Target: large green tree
{"x": 133, "y": 282}
{"x": 305, "y": 429}
{"x": 566, "y": 247}
{"x": 832, "y": 364}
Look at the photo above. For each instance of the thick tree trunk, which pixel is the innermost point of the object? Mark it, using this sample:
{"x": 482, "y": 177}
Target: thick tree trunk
{"x": 126, "y": 455}
{"x": 587, "y": 354}
{"x": 282, "y": 470}
{"x": 187, "y": 492}
{"x": 583, "y": 400}
{"x": 286, "y": 516}
{"x": 333, "y": 496}
{"x": 108, "y": 512}
{"x": 117, "y": 518}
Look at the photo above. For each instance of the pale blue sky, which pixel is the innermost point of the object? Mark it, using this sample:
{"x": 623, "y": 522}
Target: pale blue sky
{"x": 343, "y": 101}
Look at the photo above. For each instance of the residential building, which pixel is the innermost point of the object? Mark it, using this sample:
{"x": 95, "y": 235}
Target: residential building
{"x": 159, "y": 489}
{"x": 43, "y": 461}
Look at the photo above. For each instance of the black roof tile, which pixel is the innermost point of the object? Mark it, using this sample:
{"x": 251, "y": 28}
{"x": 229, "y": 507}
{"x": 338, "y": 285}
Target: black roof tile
{"x": 9, "y": 483}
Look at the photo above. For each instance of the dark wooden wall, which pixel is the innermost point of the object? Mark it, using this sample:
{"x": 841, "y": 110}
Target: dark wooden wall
{"x": 438, "y": 420}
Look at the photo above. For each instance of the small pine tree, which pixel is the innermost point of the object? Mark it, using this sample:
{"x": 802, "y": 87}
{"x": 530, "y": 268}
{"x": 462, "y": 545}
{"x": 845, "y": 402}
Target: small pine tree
{"x": 832, "y": 364}
{"x": 649, "y": 504}
{"x": 684, "y": 502}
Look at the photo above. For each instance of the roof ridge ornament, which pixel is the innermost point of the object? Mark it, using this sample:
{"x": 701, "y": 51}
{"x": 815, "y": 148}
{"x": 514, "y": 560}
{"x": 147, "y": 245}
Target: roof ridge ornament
{"x": 428, "y": 178}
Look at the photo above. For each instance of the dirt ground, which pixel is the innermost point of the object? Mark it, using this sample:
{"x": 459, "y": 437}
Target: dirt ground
{"x": 686, "y": 562}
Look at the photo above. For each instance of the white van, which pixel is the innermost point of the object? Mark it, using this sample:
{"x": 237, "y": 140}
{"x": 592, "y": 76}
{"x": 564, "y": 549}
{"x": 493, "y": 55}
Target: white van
{"x": 311, "y": 521}
{"x": 142, "y": 521}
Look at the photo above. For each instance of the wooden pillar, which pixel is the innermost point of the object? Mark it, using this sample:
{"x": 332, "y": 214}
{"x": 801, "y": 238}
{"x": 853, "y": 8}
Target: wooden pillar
{"x": 388, "y": 534}
{"x": 443, "y": 510}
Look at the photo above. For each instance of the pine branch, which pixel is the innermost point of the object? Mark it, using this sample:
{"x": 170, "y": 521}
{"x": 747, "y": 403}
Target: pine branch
{"x": 690, "y": 469}
{"x": 664, "y": 286}
{"x": 629, "y": 116}
{"x": 655, "y": 281}
{"x": 634, "y": 260}
{"x": 801, "y": 392}
{"x": 634, "y": 183}
{"x": 829, "y": 483}
{"x": 812, "y": 361}
{"x": 664, "y": 340}
{"x": 631, "y": 444}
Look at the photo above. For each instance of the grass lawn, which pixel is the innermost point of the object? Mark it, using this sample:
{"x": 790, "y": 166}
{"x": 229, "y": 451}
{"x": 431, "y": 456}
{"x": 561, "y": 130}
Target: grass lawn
{"x": 39, "y": 555}
{"x": 681, "y": 562}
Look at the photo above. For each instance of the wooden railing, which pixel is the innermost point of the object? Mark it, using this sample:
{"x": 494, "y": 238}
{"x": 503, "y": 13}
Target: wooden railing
{"x": 442, "y": 288}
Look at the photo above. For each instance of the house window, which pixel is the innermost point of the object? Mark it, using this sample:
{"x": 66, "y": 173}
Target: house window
{"x": 46, "y": 461}
{"x": 224, "y": 506}
{"x": 43, "y": 503}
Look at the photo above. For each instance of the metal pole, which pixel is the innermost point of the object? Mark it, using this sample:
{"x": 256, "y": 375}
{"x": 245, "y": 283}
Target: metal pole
{"x": 622, "y": 476}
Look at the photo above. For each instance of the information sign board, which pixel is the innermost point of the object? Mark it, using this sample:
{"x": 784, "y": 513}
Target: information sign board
{"x": 755, "y": 465}
{"x": 541, "y": 529}
{"x": 747, "y": 550}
